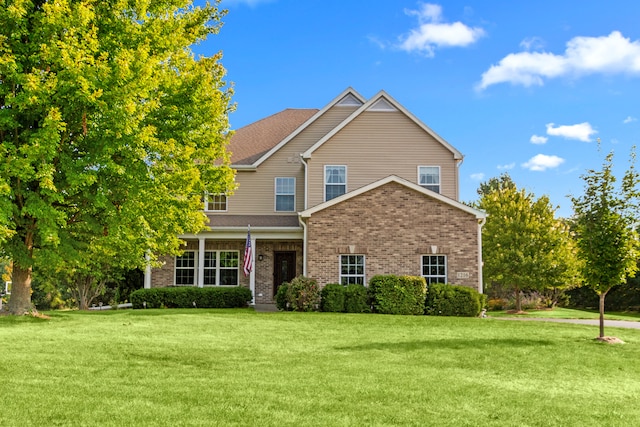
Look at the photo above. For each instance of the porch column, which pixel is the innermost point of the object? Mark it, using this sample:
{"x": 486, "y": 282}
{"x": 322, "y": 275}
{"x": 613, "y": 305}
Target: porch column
{"x": 200, "y": 274}
{"x": 252, "y": 273}
{"x": 147, "y": 272}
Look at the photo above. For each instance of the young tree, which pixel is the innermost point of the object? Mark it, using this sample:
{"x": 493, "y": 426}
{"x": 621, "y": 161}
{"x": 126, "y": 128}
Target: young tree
{"x": 524, "y": 246}
{"x": 110, "y": 129}
{"x": 605, "y": 221}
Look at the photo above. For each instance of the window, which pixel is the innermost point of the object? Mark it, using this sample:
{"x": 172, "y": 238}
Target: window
{"x": 434, "y": 268}
{"x": 186, "y": 269}
{"x": 429, "y": 177}
{"x": 335, "y": 181}
{"x": 352, "y": 269}
{"x": 285, "y": 194}
{"x": 220, "y": 268}
{"x": 215, "y": 202}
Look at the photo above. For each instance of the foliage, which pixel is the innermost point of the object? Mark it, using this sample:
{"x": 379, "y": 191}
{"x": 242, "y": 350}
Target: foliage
{"x": 503, "y": 182}
{"x": 392, "y": 294}
{"x": 302, "y": 294}
{"x": 605, "y": 221}
{"x": 449, "y": 300}
{"x": 356, "y": 299}
{"x": 191, "y": 297}
{"x": 281, "y": 297}
{"x": 110, "y": 132}
{"x": 524, "y": 247}
{"x": 332, "y": 298}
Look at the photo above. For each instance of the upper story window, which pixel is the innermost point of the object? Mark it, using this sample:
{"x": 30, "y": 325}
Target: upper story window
{"x": 434, "y": 268}
{"x": 215, "y": 202}
{"x": 285, "y": 194}
{"x": 335, "y": 181}
{"x": 352, "y": 269}
{"x": 429, "y": 177}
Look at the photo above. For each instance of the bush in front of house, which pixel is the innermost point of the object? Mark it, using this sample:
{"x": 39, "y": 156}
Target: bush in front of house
{"x": 302, "y": 294}
{"x": 356, "y": 299}
{"x": 188, "y": 297}
{"x": 450, "y": 300}
{"x": 332, "y": 298}
{"x": 392, "y": 294}
{"x": 281, "y": 298}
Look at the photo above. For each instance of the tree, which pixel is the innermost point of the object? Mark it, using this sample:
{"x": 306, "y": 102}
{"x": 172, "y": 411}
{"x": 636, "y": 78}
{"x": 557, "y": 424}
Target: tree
{"x": 524, "y": 246}
{"x": 605, "y": 221}
{"x": 110, "y": 130}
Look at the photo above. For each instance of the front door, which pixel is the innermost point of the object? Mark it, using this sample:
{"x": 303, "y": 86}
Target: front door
{"x": 284, "y": 268}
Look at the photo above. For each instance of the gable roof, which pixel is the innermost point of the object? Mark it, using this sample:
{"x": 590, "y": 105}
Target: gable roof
{"x": 253, "y": 144}
{"x": 382, "y": 102}
{"x": 393, "y": 178}
{"x": 250, "y": 142}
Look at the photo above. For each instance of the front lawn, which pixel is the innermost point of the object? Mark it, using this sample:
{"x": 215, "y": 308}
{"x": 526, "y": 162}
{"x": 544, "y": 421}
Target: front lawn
{"x": 239, "y": 367}
{"x": 569, "y": 313}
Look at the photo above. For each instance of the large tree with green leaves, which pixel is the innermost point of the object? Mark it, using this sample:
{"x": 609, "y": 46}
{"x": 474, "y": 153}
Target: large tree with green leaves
{"x": 606, "y": 218}
{"x": 524, "y": 246}
{"x": 110, "y": 130}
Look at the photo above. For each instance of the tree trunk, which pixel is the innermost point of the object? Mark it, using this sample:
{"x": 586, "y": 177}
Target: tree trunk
{"x": 20, "y": 300}
{"x": 602, "y": 295}
{"x": 518, "y": 302}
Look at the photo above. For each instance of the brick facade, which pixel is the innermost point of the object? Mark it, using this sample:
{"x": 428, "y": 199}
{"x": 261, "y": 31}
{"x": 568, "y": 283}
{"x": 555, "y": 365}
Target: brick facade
{"x": 393, "y": 226}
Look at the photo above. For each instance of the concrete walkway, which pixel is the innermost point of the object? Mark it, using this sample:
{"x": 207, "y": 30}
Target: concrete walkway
{"x": 593, "y": 322}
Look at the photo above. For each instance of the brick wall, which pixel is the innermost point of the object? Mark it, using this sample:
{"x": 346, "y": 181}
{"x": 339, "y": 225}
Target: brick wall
{"x": 393, "y": 226}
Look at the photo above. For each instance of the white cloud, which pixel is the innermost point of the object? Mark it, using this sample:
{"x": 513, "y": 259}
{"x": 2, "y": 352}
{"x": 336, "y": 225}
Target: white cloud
{"x": 477, "y": 176}
{"x": 536, "y": 139}
{"x": 432, "y": 33}
{"x": 532, "y": 43}
{"x": 629, "y": 119}
{"x": 542, "y": 162}
{"x": 581, "y": 131}
{"x": 507, "y": 167}
{"x": 612, "y": 54}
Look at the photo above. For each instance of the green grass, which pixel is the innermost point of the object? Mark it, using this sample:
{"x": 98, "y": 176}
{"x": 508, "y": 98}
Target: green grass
{"x": 568, "y": 313}
{"x": 238, "y": 367}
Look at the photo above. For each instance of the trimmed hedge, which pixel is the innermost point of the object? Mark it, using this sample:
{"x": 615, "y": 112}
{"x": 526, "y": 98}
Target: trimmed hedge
{"x": 392, "y": 294}
{"x": 332, "y": 298}
{"x": 451, "y": 300}
{"x": 188, "y": 296}
{"x": 356, "y": 299}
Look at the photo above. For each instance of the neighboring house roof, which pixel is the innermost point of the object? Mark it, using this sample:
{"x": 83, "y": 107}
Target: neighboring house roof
{"x": 382, "y": 102}
{"x": 393, "y": 178}
{"x": 251, "y": 142}
{"x": 254, "y": 143}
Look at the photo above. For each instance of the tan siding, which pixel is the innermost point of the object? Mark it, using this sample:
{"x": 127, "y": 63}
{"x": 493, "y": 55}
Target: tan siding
{"x": 376, "y": 145}
{"x": 255, "y": 193}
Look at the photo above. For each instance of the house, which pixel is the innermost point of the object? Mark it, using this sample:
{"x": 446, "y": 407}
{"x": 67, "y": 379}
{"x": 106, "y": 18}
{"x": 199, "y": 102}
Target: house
{"x": 355, "y": 189}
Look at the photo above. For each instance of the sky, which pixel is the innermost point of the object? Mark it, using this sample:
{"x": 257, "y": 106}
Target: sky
{"x": 540, "y": 90}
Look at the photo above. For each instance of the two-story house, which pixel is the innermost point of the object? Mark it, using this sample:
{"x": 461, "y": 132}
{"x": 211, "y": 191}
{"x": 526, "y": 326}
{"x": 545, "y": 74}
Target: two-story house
{"x": 355, "y": 189}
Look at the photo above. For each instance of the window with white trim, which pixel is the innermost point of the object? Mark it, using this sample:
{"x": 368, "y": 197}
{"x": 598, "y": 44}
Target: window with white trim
{"x": 186, "y": 269}
{"x": 352, "y": 269}
{"x": 335, "y": 181}
{"x": 285, "y": 194}
{"x": 215, "y": 202}
{"x": 220, "y": 268}
{"x": 429, "y": 177}
{"x": 434, "y": 268}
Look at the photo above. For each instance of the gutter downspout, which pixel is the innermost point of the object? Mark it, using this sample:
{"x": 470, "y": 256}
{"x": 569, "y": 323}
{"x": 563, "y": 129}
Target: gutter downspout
{"x": 480, "y": 262}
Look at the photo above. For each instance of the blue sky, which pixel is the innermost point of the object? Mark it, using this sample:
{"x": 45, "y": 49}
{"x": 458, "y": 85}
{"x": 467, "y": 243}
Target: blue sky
{"x": 520, "y": 87}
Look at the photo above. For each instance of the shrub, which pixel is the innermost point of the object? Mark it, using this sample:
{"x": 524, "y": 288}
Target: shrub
{"x": 185, "y": 297}
{"x": 449, "y": 300}
{"x": 356, "y": 299}
{"x": 398, "y": 294}
{"x": 281, "y": 297}
{"x": 303, "y": 294}
{"x": 332, "y": 298}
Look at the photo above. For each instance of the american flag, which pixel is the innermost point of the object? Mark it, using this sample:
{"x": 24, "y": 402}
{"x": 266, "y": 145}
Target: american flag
{"x": 248, "y": 254}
